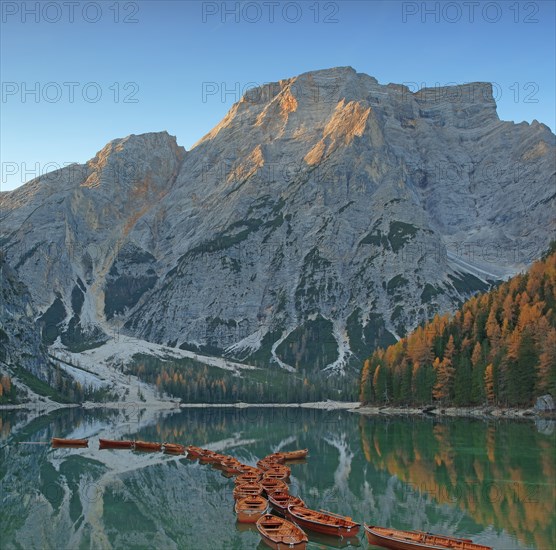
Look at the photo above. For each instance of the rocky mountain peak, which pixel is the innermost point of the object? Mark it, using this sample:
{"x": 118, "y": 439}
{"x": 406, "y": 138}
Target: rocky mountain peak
{"x": 324, "y": 215}
{"x": 123, "y": 160}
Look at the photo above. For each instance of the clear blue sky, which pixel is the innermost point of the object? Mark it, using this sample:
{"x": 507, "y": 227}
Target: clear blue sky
{"x": 163, "y": 59}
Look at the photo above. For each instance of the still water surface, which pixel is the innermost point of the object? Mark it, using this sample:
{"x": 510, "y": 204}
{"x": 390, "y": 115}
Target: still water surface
{"x": 490, "y": 481}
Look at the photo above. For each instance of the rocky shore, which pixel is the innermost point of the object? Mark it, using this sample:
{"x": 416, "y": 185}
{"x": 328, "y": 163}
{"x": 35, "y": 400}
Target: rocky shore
{"x": 474, "y": 412}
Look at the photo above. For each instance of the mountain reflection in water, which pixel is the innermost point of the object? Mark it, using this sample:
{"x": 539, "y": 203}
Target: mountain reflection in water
{"x": 493, "y": 482}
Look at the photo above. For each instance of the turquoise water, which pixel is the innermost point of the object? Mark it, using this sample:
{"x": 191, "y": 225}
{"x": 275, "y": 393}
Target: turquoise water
{"x": 493, "y": 482}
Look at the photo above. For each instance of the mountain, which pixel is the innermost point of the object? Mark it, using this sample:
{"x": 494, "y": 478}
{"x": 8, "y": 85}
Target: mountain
{"x": 27, "y": 372}
{"x": 20, "y": 339}
{"x": 325, "y": 215}
{"x": 499, "y": 348}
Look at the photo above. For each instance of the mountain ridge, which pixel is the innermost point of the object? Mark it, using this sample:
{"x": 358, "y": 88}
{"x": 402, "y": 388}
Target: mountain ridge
{"x": 332, "y": 212}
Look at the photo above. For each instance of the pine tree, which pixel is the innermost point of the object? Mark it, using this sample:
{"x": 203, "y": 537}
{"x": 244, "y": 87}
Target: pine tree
{"x": 463, "y": 382}
{"x": 380, "y": 385}
{"x": 366, "y": 393}
{"x": 546, "y": 381}
{"x": 477, "y": 374}
{"x": 527, "y": 361}
{"x": 489, "y": 383}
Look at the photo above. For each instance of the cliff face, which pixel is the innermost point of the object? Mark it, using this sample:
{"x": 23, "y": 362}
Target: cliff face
{"x": 65, "y": 233}
{"x": 20, "y": 339}
{"x": 324, "y": 215}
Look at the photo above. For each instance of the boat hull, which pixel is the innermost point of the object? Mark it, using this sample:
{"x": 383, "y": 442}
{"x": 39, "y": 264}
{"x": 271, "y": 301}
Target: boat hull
{"x": 174, "y": 449}
{"x": 231, "y": 467}
{"x": 265, "y": 464}
{"x": 60, "y": 442}
{"x": 277, "y": 458}
{"x": 280, "y": 534}
{"x": 281, "y": 506}
{"x": 194, "y": 452}
{"x": 278, "y": 472}
{"x": 247, "y": 478}
{"x": 413, "y": 540}
{"x": 247, "y": 489}
{"x": 273, "y": 485}
{"x": 295, "y": 455}
{"x": 249, "y": 510}
{"x": 282, "y": 545}
{"x": 112, "y": 444}
{"x": 205, "y": 458}
{"x": 215, "y": 459}
{"x": 325, "y": 524}
{"x": 147, "y": 446}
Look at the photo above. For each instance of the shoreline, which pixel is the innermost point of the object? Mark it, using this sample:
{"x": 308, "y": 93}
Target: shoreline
{"x": 323, "y": 405}
{"x": 168, "y": 405}
{"x": 491, "y": 413}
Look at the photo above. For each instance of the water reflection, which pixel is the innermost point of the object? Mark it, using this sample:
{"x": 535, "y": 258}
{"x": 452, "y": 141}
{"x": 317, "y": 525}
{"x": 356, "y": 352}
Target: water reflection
{"x": 501, "y": 474}
{"x": 456, "y": 477}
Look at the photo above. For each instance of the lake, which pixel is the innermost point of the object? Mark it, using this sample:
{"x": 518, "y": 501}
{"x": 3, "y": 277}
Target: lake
{"x": 491, "y": 481}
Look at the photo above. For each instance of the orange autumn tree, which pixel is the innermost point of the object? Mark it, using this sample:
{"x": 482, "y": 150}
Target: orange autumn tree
{"x": 499, "y": 348}
{"x": 8, "y": 393}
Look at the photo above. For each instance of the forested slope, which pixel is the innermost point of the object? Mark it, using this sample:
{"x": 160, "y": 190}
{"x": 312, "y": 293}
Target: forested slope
{"x": 499, "y": 348}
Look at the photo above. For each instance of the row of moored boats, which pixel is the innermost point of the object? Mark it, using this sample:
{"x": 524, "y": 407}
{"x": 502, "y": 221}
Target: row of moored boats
{"x": 169, "y": 448}
{"x": 262, "y": 489}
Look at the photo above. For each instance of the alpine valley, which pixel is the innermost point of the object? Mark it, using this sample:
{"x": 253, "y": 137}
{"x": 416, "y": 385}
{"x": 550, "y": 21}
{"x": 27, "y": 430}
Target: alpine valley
{"x": 325, "y": 216}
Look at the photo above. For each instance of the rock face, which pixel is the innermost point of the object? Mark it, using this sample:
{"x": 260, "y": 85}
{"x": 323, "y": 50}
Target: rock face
{"x": 20, "y": 338}
{"x": 545, "y": 403}
{"x": 326, "y": 214}
{"x": 68, "y": 232}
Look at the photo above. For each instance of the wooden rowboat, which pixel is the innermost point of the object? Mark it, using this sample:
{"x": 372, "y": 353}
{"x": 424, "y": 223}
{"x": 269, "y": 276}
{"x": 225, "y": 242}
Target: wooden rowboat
{"x": 249, "y": 509}
{"x": 174, "y": 448}
{"x": 245, "y": 469}
{"x": 278, "y": 472}
{"x": 206, "y": 457}
{"x": 280, "y": 500}
{"x": 59, "y": 442}
{"x": 281, "y": 534}
{"x": 265, "y": 464}
{"x": 231, "y": 466}
{"x": 194, "y": 452}
{"x": 295, "y": 455}
{"x": 323, "y": 522}
{"x": 113, "y": 444}
{"x": 216, "y": 458}
{"x": 249, "y": 477}
{"x": 271, "y": 485}
{"x": 279, "y": 458}
{"x": 147, "y": 446}
{"x": 247, "y": 489}
{"x": 417, "y": 540}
